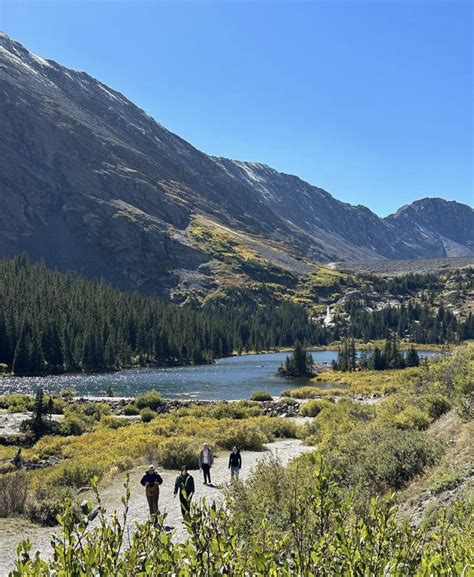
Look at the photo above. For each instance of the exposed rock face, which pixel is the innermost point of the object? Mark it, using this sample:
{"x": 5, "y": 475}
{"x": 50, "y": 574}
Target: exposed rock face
{"x": 92, "y": 184}
{"x": 446, "y": 226}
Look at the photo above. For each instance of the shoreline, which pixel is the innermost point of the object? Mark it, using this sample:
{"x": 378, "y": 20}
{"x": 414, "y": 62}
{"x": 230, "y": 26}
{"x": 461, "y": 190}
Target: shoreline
{"x": 404, "y": 346}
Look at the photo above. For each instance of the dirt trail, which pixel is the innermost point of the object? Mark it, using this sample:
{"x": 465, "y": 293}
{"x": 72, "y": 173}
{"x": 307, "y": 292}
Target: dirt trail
{"x": 14, "y": 530}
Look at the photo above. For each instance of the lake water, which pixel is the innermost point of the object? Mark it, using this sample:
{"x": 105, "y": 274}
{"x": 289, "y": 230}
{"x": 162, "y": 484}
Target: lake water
{"x": 229, "y": 378}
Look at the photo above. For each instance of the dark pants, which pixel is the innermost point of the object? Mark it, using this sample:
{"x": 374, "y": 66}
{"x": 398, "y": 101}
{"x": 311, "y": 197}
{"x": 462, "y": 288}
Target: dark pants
{"x": 185, "y": 505}
{"x": 153, "y": 503}
{"x": 206, "y": 469}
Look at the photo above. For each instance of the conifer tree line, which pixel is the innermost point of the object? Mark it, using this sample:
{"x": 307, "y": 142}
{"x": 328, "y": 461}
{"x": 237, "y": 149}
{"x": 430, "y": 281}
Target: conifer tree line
{"x": 52, "y": 322}
{"x": 390, "y": 357}
{"x": 415, "y": 321}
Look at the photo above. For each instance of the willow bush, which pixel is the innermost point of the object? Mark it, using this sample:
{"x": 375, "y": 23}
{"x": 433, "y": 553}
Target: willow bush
{"x": 320, "y": 535}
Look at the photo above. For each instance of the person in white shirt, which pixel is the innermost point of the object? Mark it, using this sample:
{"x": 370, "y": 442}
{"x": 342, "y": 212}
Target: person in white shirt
{"x": 206, "y": 460}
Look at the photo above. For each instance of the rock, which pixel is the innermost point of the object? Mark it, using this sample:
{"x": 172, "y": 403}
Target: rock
{"x": 109, "y": 192}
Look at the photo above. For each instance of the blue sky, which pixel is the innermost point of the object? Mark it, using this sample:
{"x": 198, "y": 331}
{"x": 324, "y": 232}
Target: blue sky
{"x": 372, "y": 101}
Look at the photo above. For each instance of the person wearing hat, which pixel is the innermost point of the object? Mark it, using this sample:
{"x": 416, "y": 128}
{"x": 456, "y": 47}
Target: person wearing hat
{"x": 151, "y": 480}
{"x": 184, "y": 485}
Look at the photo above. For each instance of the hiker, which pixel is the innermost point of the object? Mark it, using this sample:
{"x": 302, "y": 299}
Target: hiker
{"x": 206, "y": 460}
{"x": 151, "y": 480}
{"x": 185, "y": 486}
{"x": 18, "y": 459}
{"x": 235, "y": 463}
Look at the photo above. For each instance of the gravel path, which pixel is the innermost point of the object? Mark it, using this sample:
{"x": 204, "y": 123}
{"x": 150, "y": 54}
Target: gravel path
{"x": 14, "y": 530}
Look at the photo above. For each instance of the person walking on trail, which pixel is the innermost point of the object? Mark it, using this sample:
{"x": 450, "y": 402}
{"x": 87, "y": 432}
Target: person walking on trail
{"x": 151, "y": 480}
{"x": 206, "y": 460}
{"x": 235, "y": 463}
{"x": 184, "y": 485}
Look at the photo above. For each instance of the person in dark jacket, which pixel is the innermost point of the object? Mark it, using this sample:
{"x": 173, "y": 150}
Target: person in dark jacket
{"x": 151, "y": 480}
{"x": 184, "y": 485}
{"x": 235, "y": 463}
{"x": 18, "y": 459}
{"x": 206, "y": 460}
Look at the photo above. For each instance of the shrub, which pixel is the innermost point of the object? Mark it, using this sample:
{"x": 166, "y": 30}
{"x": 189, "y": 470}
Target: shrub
{"x": 438, "y": 405}
{"x": 315, "y": 392}
{"x": 176, "y": 452}
{"x": 412, "y": 418}
{"x": 277, "y": 428}
{"x": 150, "y": 452}
{"x": 131, "y": 410}
{"x": 324, "y": 532}
{"x": 46, "y": 505}
{"x": 67, "y": 394}
{"x": 221, "y": 410}
{"x": 112, "y": 422}
{"x": 13, "y": 493}
{"x": 94, "y": 410}
{"x": 73, "y": 425}
{"x": 16, "y": 403}
{"x": 244, "y": 435}
{"x": 151, "y": 399}
{"x": 443, "y": 481}
{"x": 302, "y": 393}
{"x": 313, "y": 408}
{"x": 391, "y": 456}
{"x": 147, "y": 415}
{"x": 261, "y": 396}
{"x": 75, "y": 473}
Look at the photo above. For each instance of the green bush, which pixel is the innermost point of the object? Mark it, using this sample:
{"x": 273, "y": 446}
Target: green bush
{"x": 281, "y": 526}
{"x": 16, "y": 403}
{"x": 73, "y": 425}
{"x": 76, "y": 474}
{"x": 443, "y": 481}
{"x": 222, "y": 410}
{"x": 277, "y": 428}
{"x": 176, "y": 452}
{"x": 261, "y": 396}
{"x": 302, "y": 393}
{"x": 46, "y": 505}
{"x": 412, "y": 418}
{"x": 131, "y": 410}
{"x": 151, "y": 400}
{"x": 147, "y": 414}
{"x": 438, "y": 405}
{"x": 112, "y": 422}
{"x": 94, "y": 410}
{"x": 313, "y": 408}
{"x": 244, "y": 435}
{"x": 380, "y": 458}
{"x": 13, "y": 493}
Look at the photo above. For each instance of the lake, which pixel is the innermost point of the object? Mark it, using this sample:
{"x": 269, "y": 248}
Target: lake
{"x": 229, "y": 378}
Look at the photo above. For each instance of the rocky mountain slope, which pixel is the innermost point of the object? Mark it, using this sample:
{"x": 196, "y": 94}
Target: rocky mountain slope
{"x": 92, "y": 184}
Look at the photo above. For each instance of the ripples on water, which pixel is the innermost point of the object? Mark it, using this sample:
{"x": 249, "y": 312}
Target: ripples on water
{"x": 228, "y": 378}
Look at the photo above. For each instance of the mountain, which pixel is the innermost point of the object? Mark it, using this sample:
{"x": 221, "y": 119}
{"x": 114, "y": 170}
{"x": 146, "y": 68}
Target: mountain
{"x": 92, "y": 184}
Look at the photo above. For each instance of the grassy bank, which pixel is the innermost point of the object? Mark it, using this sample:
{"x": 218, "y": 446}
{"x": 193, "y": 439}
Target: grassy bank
{"x": 93, "y": 442}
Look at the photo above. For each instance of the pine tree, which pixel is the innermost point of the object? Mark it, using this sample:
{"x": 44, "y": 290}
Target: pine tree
{"x": 412, "y": 357}
{"x": 38, "y": 424}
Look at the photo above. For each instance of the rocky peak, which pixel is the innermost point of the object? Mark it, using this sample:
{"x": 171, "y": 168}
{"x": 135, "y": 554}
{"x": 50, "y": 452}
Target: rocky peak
{"x": 91, "y": 183}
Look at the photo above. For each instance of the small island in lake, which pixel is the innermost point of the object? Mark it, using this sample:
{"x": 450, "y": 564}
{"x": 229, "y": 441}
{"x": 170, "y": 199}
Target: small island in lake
{"x": 299, "y": 364}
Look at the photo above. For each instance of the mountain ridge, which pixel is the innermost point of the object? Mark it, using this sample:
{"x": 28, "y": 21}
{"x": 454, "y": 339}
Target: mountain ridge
{"x": 91, "y": 183}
